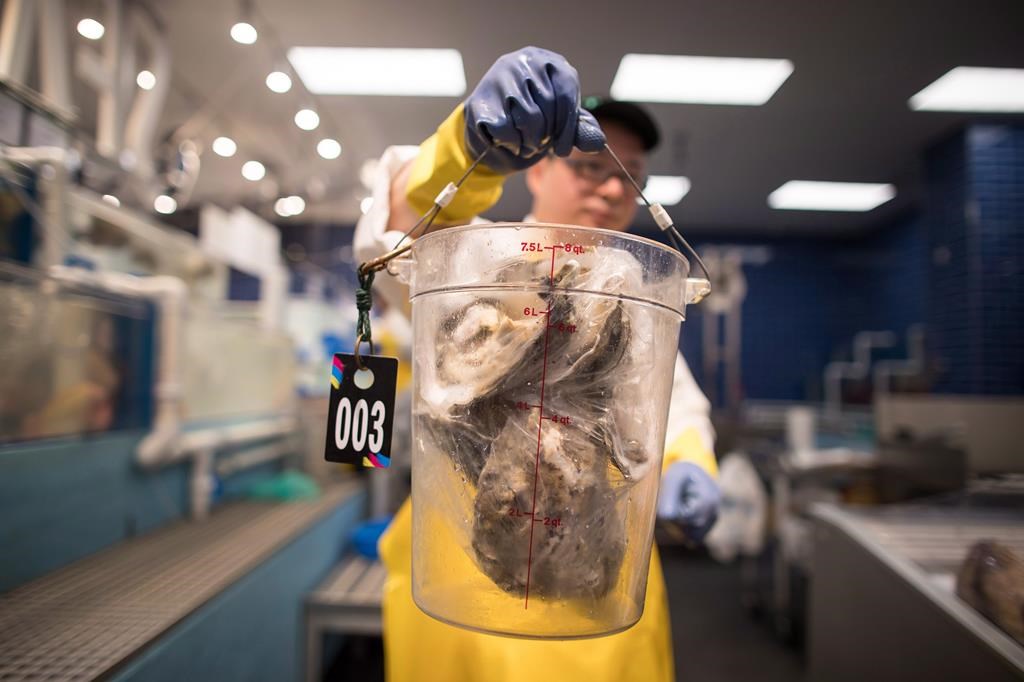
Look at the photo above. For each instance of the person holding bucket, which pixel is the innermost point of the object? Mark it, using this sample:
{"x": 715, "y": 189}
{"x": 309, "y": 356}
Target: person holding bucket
{"x": 526, "y": 115}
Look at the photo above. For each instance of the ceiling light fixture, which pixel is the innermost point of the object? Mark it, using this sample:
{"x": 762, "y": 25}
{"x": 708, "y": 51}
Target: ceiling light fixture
{"x": 307, "y": 119}
{"x": 328, "y": 148}
{"x": 379, "y": 71}
{"x": 111, "y": 199}
{"x": 253, "y": 170}
{"x": 699, "y": 80}
{"x": 968, "y": 88}
{"x": 811, "y": 195}
{"x": 245, "y": 33}
{"x": 279, "y": 81}
{"x": 224, "y": 146}
{"x": 91, "y": 29}
{"x": 165, "y": 204}
{"x": 146, "y": 80}
{"x": 667, "y": 190}
{"x": 289, "y": 206}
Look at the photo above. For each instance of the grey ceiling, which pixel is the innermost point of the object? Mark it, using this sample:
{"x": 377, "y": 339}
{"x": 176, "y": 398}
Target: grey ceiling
{"x": 842, "y": 115}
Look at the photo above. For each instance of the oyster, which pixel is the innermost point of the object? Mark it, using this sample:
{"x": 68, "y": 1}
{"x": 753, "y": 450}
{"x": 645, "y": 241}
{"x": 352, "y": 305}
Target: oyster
{"x": 595, "y": 350}
{"x": 465, "y": 433}
{"x": 991, "y": 580}
{"x": 578, "y": 537}
{"x": 482, "y": 348}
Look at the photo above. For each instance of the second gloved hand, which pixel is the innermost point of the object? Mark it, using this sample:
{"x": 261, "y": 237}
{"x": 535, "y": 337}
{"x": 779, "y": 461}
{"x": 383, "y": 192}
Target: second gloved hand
{"x": 526, "y": 103}
{"x": 689, "y": 497}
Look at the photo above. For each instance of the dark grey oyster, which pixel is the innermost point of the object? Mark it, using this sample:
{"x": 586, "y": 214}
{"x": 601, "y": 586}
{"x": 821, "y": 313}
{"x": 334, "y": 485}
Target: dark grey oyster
{"x": 566, "y": 502}
{"x": 487, "y": 348}
{"x": 466, "y": 433}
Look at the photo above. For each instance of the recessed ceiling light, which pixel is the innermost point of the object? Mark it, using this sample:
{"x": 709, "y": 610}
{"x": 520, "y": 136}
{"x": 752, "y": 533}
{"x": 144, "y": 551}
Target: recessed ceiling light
{"x": 667, "y": 190}
{"x": 365, "y": 205}
{"x": 699, "y": 80}
{"x": 279, "y": 81}
{"x": 307, "y": 119}
{"x": 244, "y": 33}
{"x": 91, "y": 29}
{"x": 111, "y": 199}
{"x": 145, "y": 80}
{"x": 253, "y": 170}
{"x": 968, "y": 88}
{"x": 379, "y": 71}
{"x": 224, "y": 146}
{"x": 810, "y": 195}
{"x": 328, "y": 148}
{"x": 289, "y": 206}
{"x": 165, "y": 204}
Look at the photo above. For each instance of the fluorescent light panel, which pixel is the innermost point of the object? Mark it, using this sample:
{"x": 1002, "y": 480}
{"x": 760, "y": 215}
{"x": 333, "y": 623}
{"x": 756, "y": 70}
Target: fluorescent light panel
{"x": 811, "y": 195}
{"x": 968, "y": 88}
{"x": 699, "y": 80}
{"x": 379, "y": 71}
{"x": 667, "y": 190}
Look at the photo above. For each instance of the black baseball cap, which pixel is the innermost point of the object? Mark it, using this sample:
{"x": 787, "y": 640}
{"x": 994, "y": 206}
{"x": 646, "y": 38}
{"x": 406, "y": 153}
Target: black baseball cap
{"x": 631, "y": 116}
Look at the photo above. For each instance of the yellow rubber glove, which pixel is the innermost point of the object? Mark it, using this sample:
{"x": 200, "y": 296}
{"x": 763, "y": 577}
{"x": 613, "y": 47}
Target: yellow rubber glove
{"x": 689, "y": 447}
{"x": 443, "y": 158}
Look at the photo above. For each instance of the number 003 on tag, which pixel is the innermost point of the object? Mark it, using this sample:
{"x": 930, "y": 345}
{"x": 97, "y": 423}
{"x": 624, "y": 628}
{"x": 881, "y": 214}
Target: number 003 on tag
{"x": 361, "y": 413}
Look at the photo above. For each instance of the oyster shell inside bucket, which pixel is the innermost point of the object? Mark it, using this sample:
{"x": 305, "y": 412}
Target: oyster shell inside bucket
{"x": 578, "y": 539}
{"x": 548, "y": 497}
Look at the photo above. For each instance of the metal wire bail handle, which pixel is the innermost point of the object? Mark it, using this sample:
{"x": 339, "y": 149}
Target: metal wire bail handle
{"x": 696, "y": 289}
{"x": 369, "y": 269}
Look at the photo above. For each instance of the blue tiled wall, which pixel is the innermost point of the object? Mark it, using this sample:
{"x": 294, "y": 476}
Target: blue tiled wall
{"x": 956, "y": 266}
{"x": 806, "y": 303}
{"x": 975, "y": 216}
{"x": 997, "y": 164}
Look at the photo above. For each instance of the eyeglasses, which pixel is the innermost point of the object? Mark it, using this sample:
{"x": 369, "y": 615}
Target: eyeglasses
{"x": 598, "y": 172}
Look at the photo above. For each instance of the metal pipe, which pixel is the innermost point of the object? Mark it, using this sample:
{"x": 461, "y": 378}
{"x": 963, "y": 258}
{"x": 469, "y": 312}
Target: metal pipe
{"x": 859, "y": 368}
{"x": 201, "y": 485}
{"x": 220, "y": 437}
{"x": 912, "y": 366}
{"x": 255, "y": 456}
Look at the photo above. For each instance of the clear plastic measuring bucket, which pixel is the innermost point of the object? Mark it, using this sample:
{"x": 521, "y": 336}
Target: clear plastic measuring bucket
{"x": 543, "y": 362}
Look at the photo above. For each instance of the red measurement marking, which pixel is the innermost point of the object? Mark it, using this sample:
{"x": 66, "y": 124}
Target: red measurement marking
{"x": 533, "y": 312}
{"x": 563, "y": 327}
{"x": 536, "y": 459}
{"x": 521, "y": 405}
{"x": 563, "y": 420}
{"x": 533, "y": 246}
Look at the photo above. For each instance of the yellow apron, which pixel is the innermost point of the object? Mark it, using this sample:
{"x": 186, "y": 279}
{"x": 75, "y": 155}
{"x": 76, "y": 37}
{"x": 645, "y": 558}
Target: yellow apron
{"x": 417, "y": 647}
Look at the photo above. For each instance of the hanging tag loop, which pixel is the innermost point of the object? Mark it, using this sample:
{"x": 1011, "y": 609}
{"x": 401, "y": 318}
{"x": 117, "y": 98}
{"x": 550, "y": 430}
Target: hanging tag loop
{"x": 364, "y": 303}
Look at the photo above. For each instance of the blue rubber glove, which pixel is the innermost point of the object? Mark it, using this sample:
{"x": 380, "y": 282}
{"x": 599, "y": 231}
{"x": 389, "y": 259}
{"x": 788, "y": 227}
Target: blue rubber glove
{"x": 689, "y": 497}
{"x": 527, "y": 103}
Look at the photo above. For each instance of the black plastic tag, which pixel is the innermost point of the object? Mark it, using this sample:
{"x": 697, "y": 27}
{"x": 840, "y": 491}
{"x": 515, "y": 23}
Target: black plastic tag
{"x": 362, "y": 410}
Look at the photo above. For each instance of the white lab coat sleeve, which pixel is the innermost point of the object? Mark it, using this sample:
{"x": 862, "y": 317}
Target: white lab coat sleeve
{"x": 688, "y": 408}
{"x": 372, "y": 238}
